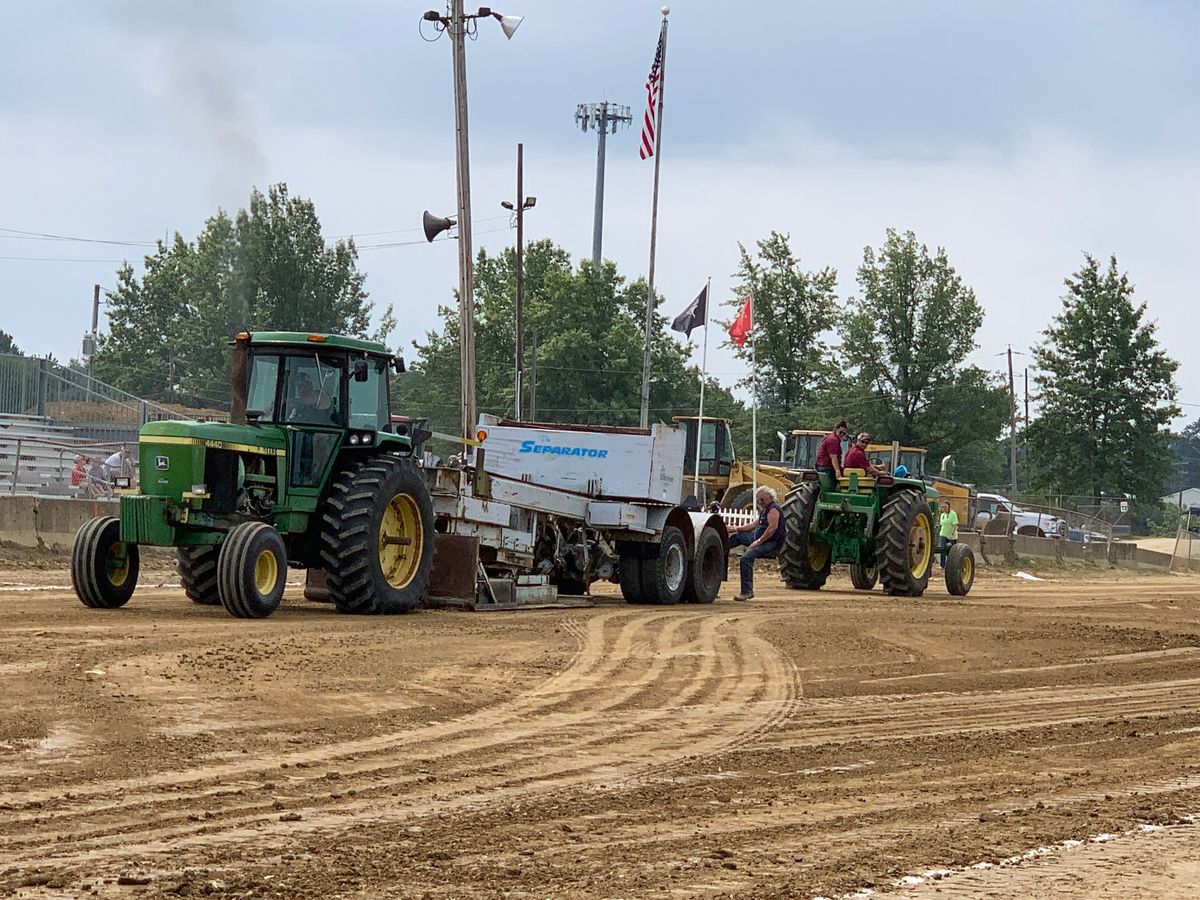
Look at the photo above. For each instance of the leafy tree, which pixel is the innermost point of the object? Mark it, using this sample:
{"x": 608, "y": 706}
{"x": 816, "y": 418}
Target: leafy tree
{"x": 1107, "y": 392}
{"x": 267, "y": 268}
{"x": 903, "y": 346}
{"x": 588, "y": 323}
{"x": 1187, "y": 451}
{"x": 8, "y": 345}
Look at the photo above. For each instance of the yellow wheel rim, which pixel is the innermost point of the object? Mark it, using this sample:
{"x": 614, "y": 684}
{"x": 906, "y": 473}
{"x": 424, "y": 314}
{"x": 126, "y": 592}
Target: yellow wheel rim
{"x": 920, "y": 544}
{"x": 116, "y": 564}
{"x": 401, "y": 541}
{"x": 266, "y": 572}
{"x": 818, "y": 555}
{"x": 968, "y": 570}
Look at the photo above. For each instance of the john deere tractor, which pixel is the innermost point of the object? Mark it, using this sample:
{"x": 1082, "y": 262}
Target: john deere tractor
{"x": 882, "y": 526}
{"x": 310, "y": 472}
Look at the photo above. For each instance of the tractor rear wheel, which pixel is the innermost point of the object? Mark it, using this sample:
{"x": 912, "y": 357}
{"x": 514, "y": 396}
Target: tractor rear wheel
{"x": 251, "y": 570}
{"x": 665, "y": 572}
{"x": 803, "y": 562}
{"x": 960, "y": 570}
{"x": 864, "y": 578}
{"x": 104, "y": 569}
{"x": 197, "y": 568}
{"x": 904, "y": 547}
{"x": 377, "y": 540}
{"x": 707, "y": 568}
{"x": 744, "y": 500}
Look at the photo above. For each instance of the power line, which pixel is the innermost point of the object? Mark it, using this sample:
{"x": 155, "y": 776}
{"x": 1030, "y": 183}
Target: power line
{"x": 41, "y": 235}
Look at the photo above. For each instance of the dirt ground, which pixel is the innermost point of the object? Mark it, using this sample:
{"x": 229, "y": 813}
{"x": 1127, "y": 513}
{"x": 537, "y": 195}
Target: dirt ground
{"x": 1033, "y": 737}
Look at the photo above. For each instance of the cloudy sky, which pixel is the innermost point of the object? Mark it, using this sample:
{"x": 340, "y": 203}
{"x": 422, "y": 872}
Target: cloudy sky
{"x": 1018, "y": 135}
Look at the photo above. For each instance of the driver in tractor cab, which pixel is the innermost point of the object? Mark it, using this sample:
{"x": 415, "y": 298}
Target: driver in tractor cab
{"x": 829, "y": 456}
{"x": 856, "y": 456}
{"x": 308, "y": 405}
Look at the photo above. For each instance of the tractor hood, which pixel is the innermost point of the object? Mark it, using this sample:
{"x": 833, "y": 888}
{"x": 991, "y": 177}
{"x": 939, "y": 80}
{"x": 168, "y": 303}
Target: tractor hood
{"x": 172, "y": 455}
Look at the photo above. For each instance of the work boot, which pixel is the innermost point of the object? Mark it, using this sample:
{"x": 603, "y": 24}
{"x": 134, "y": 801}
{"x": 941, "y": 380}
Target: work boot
{"x": 743, "y": 597}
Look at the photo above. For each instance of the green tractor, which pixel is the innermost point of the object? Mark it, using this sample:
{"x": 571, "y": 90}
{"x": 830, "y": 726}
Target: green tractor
{"x": 882, "y": 525}
{"x": 311, "y": 471}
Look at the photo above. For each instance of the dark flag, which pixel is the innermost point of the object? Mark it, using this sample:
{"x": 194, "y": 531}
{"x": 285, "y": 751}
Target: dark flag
{"x": 694, "y": 316}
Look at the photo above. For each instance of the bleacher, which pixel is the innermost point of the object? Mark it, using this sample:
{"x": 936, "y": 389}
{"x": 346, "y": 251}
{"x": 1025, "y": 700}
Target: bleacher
{"x": 37, "y": 455}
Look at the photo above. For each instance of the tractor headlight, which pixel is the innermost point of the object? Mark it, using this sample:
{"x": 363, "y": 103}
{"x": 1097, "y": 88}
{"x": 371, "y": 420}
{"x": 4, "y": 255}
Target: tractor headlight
{"x": 354, "y": 439}
{"x": 199, "y": 489}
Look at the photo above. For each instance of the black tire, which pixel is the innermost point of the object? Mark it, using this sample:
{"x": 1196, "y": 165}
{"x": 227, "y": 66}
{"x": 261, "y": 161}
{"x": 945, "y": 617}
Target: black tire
{"x": 744, "y": 500}
{"x": 707, "y": 568}
{"x": 251, "y": 570}
{"x": 104, "y": 569}
{"x": 1031, "y": 531}
{"x": 864, "y": 578}
{"x": 377, "y": 505}
{"x": 803, "y": 563}
{"x": 571, "y": 587}
{"x": 629, "y": 575}
{"x": 960, "y": 570}
{"x": 197, "y": 568}
{"x": 665, "y": 572}
{"x": 904, "y": 545}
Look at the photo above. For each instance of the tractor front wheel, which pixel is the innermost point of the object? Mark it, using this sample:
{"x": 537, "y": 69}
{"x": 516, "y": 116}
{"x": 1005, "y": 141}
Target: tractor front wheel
{"x": 197, "y": 568}
{"x": 104, "y": 569}
{"x": 803, "y": 562}
{"x": 864, "y": 578}
{"x": 960, "y": 570}
{"x": 251, "y": 570}
{"x": 377, "y": 540}
{"x": 904, "y": 547}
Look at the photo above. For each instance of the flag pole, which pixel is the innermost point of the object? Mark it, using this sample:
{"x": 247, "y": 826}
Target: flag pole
{"x": 703, "y": 376}
{"x": 753, "y": 407}
{"x": 658, "y": 115}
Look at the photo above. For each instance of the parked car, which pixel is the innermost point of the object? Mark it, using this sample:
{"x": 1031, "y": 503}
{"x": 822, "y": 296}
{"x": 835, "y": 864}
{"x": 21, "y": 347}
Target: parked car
{"x": 1028, "y": 522}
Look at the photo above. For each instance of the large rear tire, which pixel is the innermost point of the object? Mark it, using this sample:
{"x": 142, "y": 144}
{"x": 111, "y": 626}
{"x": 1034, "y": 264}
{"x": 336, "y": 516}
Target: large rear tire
{"x": 744, "y": 500}
{"x": 664, "y": 574}
{"x": 377, "y": 540}
{"x": 904, "y": 547}
{"x": 252, "y": 570}
{"x": 104, "y": 569}
{"x": 960, "y": 570}
{"x": 707, "y": 568}
{"x": 197, "y": 568}
{"x": 803, "y": 562}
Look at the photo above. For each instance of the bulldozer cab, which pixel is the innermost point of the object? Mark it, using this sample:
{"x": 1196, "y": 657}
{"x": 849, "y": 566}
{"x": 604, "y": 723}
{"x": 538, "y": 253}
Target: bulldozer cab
{"x": 716, "y": 446}
{"x": 804, "y": 447}
{"x": 890, "y": 456}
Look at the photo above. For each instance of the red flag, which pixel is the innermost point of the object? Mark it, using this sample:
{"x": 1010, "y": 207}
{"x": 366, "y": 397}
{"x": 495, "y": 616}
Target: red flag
{"x": 740, "y": 329}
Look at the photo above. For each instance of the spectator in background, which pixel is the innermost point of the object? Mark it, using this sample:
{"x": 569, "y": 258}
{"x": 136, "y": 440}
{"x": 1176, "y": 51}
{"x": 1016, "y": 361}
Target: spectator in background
{"x": 117, "y": 464}
{"x": 97, "y": 481}
{"x": 948, "y": 532}
{"x": 79, "y": 474}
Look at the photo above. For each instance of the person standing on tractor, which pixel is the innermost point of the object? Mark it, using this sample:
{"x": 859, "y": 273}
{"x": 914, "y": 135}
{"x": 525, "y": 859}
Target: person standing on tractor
{"x": 856, "y": 456}
{"x": 761, "y": 538}
{"x": 948, "y": 533}
{"x": 829, "y": 456}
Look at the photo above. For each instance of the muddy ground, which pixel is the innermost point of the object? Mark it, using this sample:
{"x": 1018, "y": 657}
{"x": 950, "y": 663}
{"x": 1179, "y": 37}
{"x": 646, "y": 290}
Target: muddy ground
{"x": 1034, "y": 737}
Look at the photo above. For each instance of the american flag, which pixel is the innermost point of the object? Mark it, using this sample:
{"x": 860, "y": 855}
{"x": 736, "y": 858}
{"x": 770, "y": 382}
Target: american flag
{"x": 647, "y": 149}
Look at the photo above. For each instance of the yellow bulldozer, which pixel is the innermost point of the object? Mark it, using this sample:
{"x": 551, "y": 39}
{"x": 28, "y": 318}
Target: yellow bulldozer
{"x": 722, "y": 476}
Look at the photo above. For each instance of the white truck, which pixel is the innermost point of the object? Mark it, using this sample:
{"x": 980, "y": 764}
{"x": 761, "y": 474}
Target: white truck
{"x": 1028, "y": 522}
{"x": 547, "y": 510}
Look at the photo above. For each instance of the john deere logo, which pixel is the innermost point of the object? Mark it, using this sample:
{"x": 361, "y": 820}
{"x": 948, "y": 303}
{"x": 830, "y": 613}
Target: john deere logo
{"x": 162, "y": 463}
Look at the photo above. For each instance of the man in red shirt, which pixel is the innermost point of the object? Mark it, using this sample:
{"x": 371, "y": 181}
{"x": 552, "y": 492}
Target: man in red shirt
{"x": 856, "y": 456}
{"x": 829, "y": 455}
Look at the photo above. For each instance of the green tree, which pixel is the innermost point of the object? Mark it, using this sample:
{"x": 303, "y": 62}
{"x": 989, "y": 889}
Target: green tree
{"x": 1187, "y": 452}
{"x": 266, "y": 268}
{"x": 8, "y": 345}
{"x": 1107, "y": 391}
{"x": 588, "y": 323}
{"x": 903, "y": 347}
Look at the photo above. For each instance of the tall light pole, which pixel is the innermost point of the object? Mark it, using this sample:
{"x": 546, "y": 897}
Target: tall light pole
{"x": 603, "y": 116}
{"x": 460, "y": 25}
{"x": 523, "y": 203}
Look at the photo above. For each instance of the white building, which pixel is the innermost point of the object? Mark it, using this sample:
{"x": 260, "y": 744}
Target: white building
{"x": 1191, "y": 498}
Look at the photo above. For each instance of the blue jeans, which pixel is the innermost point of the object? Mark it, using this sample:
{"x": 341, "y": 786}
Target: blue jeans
{"x": 746, "y": 564}
{"x": 944, "y": 545}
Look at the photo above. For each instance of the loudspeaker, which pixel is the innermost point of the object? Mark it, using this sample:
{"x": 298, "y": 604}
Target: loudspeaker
{"x": 434, "y": 225}
{"x": 508, "y": 24}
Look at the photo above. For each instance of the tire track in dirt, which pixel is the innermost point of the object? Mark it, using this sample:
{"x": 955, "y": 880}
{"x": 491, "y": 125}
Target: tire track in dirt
{"x": 709, "y": 707}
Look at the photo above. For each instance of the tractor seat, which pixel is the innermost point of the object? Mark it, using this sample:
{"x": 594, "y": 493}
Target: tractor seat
{"x": 856, "y": 481}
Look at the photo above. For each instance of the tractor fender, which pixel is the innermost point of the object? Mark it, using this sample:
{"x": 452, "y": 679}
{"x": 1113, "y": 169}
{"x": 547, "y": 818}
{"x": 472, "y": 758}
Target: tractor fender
{"x": 702, "y": 520}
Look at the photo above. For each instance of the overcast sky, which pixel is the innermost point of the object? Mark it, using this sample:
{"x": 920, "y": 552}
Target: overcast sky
{"x": 1018, "y": 135}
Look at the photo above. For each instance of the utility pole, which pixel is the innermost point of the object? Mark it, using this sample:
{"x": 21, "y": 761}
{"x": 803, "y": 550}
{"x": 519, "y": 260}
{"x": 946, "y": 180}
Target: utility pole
{"x": 533, "y": 380}
{"x": 1027, "y": 399}
{"x": 602, "y": 116}
{"x": 1012, "y": 424}
{"x": 523, "y": 203}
